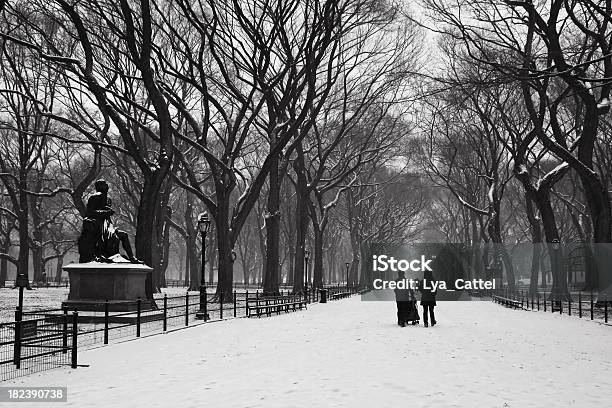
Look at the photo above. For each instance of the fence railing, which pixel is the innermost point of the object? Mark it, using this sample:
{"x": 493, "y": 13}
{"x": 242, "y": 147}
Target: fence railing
{"x": 580, "y": 304}
{"x": 37, "y": 344}
{"x": 170, "y": 283}
{"x": 44, "y": 339}
{"x": 180, "y": 283}
{"x": 40, "y": 284}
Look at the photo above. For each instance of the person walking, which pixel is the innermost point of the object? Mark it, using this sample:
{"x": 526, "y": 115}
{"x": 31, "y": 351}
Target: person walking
{"x": 428, "y": 298}
{"x": 402, "y": 298}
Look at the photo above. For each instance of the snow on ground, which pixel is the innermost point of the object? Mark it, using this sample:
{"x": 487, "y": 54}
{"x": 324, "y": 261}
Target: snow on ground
{"x": 351, "y": 353}
{"x": 37, "y": 298}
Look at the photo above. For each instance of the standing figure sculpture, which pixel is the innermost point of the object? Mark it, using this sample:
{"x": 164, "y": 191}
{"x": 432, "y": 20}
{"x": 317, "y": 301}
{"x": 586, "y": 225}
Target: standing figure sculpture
{"x": 99, "y": 240}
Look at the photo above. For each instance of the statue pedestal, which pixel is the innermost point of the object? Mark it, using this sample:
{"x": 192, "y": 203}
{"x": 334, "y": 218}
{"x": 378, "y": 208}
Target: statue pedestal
{"x": 93, "y": 283}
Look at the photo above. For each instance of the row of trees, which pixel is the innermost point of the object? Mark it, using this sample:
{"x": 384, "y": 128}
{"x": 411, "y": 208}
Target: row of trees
{"x": 518, "y": 132}
{"x": 263, "y": 113}
{"x": 308, "y": 124}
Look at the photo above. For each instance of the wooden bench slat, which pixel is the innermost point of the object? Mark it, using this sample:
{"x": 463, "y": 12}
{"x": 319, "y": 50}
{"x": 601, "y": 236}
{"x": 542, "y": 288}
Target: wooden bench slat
{"x": 268, "y": 305}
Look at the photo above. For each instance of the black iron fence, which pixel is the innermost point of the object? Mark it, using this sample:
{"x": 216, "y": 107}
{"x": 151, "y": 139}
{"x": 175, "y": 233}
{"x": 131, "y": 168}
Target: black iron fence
{"x": 170, "y": 283}
{"x": 44, "y": 339}
{"x": 580, "y": 304}
{"x": 32, "y": 344}
{"x": 40, "y": 284}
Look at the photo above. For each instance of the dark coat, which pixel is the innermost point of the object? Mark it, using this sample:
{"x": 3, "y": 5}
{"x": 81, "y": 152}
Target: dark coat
{"x": 404, "y": 295}
{"x": 428, "y": 296}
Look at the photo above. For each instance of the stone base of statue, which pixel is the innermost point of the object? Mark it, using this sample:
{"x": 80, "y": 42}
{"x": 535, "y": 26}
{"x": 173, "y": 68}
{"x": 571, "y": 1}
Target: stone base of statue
{"x": 121, "y": 283}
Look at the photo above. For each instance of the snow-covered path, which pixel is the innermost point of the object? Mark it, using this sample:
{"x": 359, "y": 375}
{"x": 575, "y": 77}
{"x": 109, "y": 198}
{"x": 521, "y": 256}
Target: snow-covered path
{"x": 351, "y": 353}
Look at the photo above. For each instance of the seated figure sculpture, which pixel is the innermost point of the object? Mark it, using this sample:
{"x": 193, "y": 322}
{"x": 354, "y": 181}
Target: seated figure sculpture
{"x": 99, "y": 240}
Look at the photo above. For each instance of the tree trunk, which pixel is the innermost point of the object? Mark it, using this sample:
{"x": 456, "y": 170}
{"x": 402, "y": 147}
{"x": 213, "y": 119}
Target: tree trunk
{"x": 476, "y": 264}
{"x": 6, "y": 245}
{"x": 330, "y": 258}
{"x": 555, "y": 252}
{"x": 272, "y": 219}
{"x": 58, "y": 269}
{"x": 23, "y": 258}
{"x": 225, "y": 270}
{"x": 590, "y": 265}
{"x": 37, "y": 236}
{"x": 498, "y": 247}
{"x": 291, "y": 271}
{"x": 541, "y": 197}
{"x": 187, "y": 264}
{"x": 146, "y": 230}
{"x": 191, "y": 242}
{"x": 165, "y": 249}
{"x": 211, "y": 255}
{"x": 162, "y": 238}
{"x": 3, "y": 271}
{"x": 317, "y": 273}
{"x": 37, "y": 261}
{"x": 194, "y": 264}
{"x": 301, "y": 222}
{"x": 536, "y": 239}
{"x": 273, "y": 223}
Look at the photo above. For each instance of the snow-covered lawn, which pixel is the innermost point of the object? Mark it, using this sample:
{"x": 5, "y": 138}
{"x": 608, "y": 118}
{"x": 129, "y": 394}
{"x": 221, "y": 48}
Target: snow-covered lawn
{"x": 351, "y": 353}
{"x": 37, "y": 298}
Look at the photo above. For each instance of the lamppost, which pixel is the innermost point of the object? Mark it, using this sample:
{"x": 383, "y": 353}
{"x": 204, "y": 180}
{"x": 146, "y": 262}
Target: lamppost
{"x": 306, "y": 255}
{"x": 203, "y": 225}
{"x": 347, "y": 273}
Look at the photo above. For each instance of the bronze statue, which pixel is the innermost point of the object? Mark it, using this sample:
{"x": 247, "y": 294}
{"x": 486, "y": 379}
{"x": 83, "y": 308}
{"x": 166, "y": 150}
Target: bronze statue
{"x": 99, "y": 240}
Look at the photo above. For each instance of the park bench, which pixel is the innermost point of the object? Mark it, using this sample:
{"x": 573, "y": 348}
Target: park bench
{"x": 260, "y": 305}
{"x": 339, "y": 295}
{"x": 516, "y": 304}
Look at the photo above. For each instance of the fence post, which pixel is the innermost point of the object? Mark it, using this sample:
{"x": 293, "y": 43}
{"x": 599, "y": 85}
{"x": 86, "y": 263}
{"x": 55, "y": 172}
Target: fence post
{"x": 560, "y": 306}
{"x": 234, "y": 303}
{"x": 606, "y": 309}
{"x": 165, "y": 324}
{"x": 552, "y": 304}
{"x": 569, "y": 305}
{"x": 65, "y": 332}
{"x": 580, "y": 304}
{"x": 221, "y": 305}
{"x": 544, "y": 300}
{"x": 106, "y": 322}
{"x": 187, "y": 309}
{"x": 246, "y": 309}
{"x": 138, "y": 308}
{"x": 17, "y": 345}
{"x": 75, "y": 331}
{"x": 538, "y": 299}
{"x": 591, "y": 305}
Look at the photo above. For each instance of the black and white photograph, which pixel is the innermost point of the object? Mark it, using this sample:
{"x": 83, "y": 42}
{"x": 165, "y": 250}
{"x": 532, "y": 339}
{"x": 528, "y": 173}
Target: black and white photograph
{"x": 305, "y": 203}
